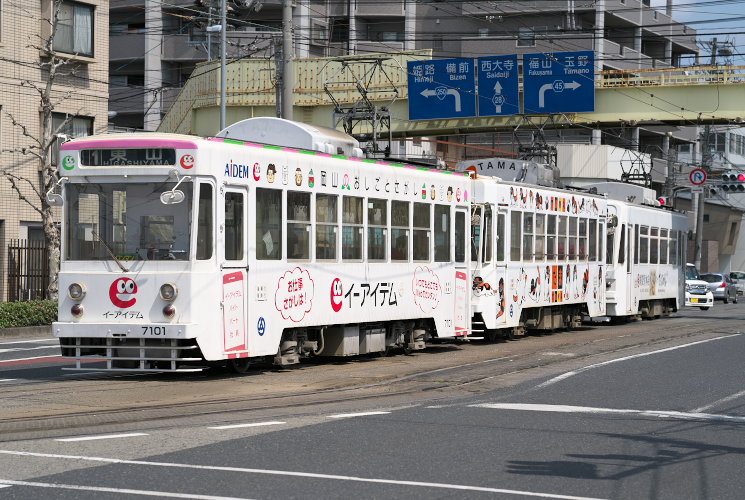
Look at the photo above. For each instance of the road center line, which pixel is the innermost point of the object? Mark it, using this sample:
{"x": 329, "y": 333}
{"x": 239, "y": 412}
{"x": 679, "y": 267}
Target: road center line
{"x": 610, "y": 411}
{"x": 421, "y": 484}
{"x": 4, "y": 483}
{"x": 566, "y": 375}
{"x": 720, "y": 401}
{"x": 237, "y": 426}
{"x": 361, "y": 414}
{"x": 18, "y": 349}
{"x": 105, "y": 436}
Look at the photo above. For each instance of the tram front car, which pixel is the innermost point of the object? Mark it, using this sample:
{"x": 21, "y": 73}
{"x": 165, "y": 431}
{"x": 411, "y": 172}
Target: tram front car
{"x": 136, "y": 252}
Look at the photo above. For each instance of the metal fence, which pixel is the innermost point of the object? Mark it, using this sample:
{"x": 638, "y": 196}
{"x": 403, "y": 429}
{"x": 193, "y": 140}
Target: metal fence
{"x": 28, "y": 270}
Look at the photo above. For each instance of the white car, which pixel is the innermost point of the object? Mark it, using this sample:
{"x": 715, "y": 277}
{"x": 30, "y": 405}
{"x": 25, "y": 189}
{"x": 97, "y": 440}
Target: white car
{"x": 696, "y": 291}
{"x": 739, "y": 277}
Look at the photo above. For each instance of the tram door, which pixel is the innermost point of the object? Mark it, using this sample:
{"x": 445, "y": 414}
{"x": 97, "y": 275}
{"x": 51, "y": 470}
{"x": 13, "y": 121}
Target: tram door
{"x": 232, "y": 256}
{"x": 461, "y": 314}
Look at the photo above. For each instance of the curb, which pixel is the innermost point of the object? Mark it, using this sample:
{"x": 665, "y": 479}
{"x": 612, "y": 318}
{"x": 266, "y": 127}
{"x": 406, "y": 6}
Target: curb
{"x": 27, "y": 331}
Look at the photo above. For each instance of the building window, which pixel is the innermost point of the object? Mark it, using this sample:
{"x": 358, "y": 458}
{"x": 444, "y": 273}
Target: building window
{"x": 70, "y": 126}
{"x": 74, "y": 33}
{"x": 340, "y": 30}
{"x": 437, "y": 42}
{"x": 320, "y": 33}
{"x": 526, "y": 37}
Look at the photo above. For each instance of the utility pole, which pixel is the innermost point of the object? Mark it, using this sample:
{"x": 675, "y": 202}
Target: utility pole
{"x": 706, "y": 165}
{"x": 287, "y": 56}
{"x": 223, "y": 56}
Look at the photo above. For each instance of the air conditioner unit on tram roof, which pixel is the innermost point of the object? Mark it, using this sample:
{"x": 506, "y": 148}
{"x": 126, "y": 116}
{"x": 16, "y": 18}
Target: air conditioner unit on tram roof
{"x": 291, "y": 134}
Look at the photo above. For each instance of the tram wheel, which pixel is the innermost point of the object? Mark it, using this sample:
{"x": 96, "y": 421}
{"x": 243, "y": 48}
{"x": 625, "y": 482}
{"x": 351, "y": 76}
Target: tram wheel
{"x": 239, "y": 365}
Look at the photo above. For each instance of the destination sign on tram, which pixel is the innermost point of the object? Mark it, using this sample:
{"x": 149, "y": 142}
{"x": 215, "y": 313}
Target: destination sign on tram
{"x": 127, "y": 157}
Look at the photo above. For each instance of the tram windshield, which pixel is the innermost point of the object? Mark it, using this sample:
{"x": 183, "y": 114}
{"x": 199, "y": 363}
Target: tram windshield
{"x": 126, "y": 222}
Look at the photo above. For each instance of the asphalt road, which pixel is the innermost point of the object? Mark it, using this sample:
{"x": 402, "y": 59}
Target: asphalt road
{"x": 643, "y": 410}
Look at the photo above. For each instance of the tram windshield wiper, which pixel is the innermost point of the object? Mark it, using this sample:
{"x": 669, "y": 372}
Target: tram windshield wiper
{"x": 110, "y": 251}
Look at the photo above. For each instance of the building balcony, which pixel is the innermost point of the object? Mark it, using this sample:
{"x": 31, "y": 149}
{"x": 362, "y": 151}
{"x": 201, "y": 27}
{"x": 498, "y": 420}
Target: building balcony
{"x": 126, "y": 46}
{"x": 127, "y": 100}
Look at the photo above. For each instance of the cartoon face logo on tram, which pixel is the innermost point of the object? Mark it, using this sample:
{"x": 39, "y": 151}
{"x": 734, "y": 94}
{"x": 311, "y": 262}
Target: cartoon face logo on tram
{"x": 187, "y": 161}
{"x": 122, "y": 293}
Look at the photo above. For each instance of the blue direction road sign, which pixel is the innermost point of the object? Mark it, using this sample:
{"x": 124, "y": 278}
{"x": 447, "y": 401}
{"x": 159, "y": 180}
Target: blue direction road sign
{"x": 443, "y": 88}
{"x": 498, "y": 89}
{"x": 559, "y": 82}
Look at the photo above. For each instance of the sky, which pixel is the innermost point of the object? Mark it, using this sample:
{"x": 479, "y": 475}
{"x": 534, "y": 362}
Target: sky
{"x": 723, "y": 19}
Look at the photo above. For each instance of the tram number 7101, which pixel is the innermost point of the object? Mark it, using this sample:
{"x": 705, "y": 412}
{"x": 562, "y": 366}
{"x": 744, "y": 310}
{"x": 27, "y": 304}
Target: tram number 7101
{"x": 153, "y": 330}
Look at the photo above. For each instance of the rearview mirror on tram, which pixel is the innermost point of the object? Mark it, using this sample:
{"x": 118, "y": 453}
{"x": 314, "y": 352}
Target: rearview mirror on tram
{"x": 172, "y": 197}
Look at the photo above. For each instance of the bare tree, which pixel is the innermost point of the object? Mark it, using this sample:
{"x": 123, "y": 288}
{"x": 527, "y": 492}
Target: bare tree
{"x": 31, "y": 190}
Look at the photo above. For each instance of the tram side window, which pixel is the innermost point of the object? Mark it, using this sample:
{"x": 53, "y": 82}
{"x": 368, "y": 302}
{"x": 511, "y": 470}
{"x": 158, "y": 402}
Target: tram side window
{"x": 515, "y": 235}
{"x": 540, "y": 236}
{"x": 488, "y": 235}
{"x": 298, "y": 225}
{"x": 636, "y": 243}
{"x": 326, "y": 221}
{"x": 204, "y": 223}
{"x": 572, "y": 238}
{"x": 400, "y": 231}
{"x": 500, "y": 237}
{"x": 663, "y": 246}
{"x": 622, "y": 245}
{"x": 377, "y": 227}
{"x": 644, "y": 244}
{"x": 421, "y": 231}
{"x": 268, "y": 224}
{"x": 460, "y": 237}
{"x": 442, "y": 233}
{"x": 351, "y": 228}
{"x": 673, "y": 248}
{"x": 528, "y": 237}
{"x": 551, "y": 237}
{"x": 561, "y": 238}
{"x": 654, "y": 245}
{"x": 234, "y": 226}
{"x": 582, "y": 239}
{"x": 593, "y": 240}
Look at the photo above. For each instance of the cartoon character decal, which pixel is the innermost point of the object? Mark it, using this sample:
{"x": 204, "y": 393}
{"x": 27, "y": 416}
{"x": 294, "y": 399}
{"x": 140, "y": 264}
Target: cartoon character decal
{"x": 187, "y": 161}
{"x": 122, "y": 293}
{"x": 298, "y": 177}
{"x": 68, "y": 162}
{"x": 271, "y": 173}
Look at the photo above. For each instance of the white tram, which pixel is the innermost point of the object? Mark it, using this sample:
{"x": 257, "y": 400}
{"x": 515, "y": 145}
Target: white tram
{"x": 181, "y": 250}
{"x": 537, "y": 257}
{"x": 645, "y": 253}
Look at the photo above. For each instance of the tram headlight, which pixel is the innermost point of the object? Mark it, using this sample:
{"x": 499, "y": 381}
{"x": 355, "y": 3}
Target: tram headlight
{"x": 76, "y": 291}
{"x": 168, "y": 291}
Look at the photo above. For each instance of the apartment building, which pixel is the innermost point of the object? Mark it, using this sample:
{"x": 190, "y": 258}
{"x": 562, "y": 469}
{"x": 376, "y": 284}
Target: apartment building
{"x": 81, "y": 91}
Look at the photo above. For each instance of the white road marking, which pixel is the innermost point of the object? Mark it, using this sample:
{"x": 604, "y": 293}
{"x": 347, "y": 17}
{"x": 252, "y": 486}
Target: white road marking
{"x": 609, "y": 411}
{"x": 566, "y": 375}
{"x": 238, "y": 426}
{"x": 18, "y": 349}
{"x": 105, "y": 436}
{"x": 242, "y": 470}
{"x": 55, "y": 344}
{"x": 28, "y": 359}
{"x": 720, "y": 401}
{"x": 361, "y": 414}
{"x": 567, "y": 354}
{"x": 77, "y": 487}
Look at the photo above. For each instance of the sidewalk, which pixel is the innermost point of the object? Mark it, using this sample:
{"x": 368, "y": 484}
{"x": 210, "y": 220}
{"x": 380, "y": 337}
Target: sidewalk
{"x": 27, "y": 331}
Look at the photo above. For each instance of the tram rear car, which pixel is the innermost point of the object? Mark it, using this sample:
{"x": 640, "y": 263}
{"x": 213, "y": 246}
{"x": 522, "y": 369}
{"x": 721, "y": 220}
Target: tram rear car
{"x": 645, "y": 255}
